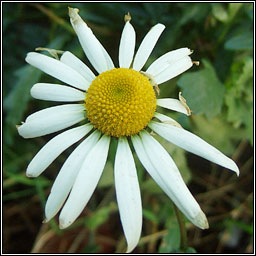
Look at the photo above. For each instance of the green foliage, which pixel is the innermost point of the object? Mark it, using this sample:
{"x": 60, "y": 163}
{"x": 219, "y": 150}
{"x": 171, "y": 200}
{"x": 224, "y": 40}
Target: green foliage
{"x": 99, "y": 216}
{"x": 239, "y": 98}
{"x": 203, "y": 91}
{"x": 240, "y": 42}
{"x": 171, "y": 241}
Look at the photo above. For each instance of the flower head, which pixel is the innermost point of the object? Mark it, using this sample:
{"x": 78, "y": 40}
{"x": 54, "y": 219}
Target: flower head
{"x": 117, "y": 102}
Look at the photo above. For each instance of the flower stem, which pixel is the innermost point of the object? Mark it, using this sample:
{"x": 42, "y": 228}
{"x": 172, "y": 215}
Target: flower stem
{"x": 183, "y": 233}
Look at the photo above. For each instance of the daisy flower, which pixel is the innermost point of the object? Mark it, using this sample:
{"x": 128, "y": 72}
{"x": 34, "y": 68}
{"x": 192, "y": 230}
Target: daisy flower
{"x": 116, "y": 102}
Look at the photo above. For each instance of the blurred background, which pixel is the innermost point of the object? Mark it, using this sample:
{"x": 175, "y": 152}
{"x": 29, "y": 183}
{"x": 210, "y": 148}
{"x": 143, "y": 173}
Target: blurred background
{"x": 219, "y": 92}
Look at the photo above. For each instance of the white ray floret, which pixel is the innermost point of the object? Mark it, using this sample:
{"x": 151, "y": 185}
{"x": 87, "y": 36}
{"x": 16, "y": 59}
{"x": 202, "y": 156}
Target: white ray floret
{"x": 93, "y": 49}
{"x": 166, "y": 60}
{"x": 56, "y": 92}
{"x": 50, "y": 151}
{"x": 56, "y": 69}
{"x": 146, "y": 46}
{"x": 86, "y": 182}
{"x": 51, "y": 120}
{"x": 172, "y": 104}
{"x": 71, "y": 60}
{"x": 128, "y": 193}
{"x": 67, "y": 175}
{"x": 174, "y": 70}
{"x": 193, "y": 144}
{"x": 166, "y": 119}
{"x": 163, "y": 169}
{"x": 127, "y": 46}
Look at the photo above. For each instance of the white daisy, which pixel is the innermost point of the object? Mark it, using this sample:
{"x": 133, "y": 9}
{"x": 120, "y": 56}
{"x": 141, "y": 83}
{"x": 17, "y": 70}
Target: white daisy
{"x": 117, "y": 102}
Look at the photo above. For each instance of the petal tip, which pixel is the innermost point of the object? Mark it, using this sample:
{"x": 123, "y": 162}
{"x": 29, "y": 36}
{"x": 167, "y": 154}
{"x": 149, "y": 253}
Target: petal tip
{"x": 64, "y": 224}
{"x": 237, "y": 171}
{"x": 74, "y": 16}
{"x": 201, "y": 221}
{"x": 45, "y": 220}
{"x": 160, "y": 25}
{"x": 130, "y": 249}
{"x": 30, "y": 175}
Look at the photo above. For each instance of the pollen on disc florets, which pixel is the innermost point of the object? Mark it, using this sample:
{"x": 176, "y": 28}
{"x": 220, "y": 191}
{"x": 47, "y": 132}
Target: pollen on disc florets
{"x": 120, "y": 102}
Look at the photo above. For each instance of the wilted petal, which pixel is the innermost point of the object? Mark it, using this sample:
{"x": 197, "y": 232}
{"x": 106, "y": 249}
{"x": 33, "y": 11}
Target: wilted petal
{"x": 172, "y": 104}
{"x": 93, "y": 49}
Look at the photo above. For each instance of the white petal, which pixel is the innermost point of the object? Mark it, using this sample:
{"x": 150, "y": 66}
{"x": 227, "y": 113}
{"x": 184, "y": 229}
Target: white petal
{"x": 67, "y": 175}
{"x": 56, "y": 69}
{"x": 172, "y": 104}
{"x": 146, "y": 46}
{"x": 193, "y": 144}
{"x": 71, "y": 60}
{"x": 50, "y": 151}
{"x": 164, "y": 171}
{"x": 127, "y": 46}
{"x": 51, "y": 120}
{"x": 173, "y": 70}
{"x": 86, "y": 182}
{"x": 166, "y": 119}
{"x": 93, "y": 49}
{"x": 166, "y": 60}
{"x": 56, "y": 92}
{"x": 128, "y": 193}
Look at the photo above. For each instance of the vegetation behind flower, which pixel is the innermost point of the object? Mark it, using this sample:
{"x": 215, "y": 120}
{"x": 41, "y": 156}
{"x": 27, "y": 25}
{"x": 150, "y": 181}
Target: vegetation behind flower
{"x": 219, "y": 92}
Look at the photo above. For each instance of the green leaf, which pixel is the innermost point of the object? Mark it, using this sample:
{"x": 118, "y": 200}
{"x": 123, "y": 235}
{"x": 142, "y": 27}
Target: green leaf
{"x": 150, "y": 215}
{"x": 219, "y": 12}
{"x": 233, "y": 8}
{"x": 240, "y": 42}
{"x": 203, "y": 91}
{"x": 16, "y": 102}
{"x": 107, "y": 178}
{"x": 171, "y": 241}
{"x": 239, "y": 97}
{"x": 217, "y": 132}
{"x": 99, "y": 216}
{"x": 150, "y": 187}
{"x": 190, "y": 250}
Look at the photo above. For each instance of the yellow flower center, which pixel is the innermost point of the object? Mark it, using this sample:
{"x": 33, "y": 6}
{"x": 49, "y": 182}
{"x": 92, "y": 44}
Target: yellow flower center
{"x": 120, "y": 102}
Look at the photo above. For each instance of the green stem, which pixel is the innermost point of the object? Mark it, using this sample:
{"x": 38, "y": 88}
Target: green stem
{"x": 183, "y": 233}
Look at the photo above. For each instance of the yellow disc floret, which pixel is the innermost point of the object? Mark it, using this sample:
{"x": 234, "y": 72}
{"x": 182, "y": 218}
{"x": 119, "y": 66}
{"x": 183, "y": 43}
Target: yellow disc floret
{"x": 120, "y": 102}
